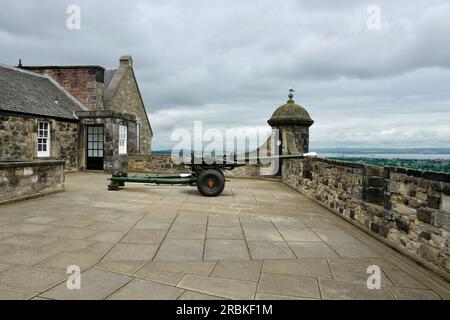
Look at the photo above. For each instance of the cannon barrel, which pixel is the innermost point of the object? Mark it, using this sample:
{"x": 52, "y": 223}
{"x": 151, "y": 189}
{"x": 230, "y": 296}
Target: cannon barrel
{"x": 237, "y": 161}
{"x": 280, "y": 157}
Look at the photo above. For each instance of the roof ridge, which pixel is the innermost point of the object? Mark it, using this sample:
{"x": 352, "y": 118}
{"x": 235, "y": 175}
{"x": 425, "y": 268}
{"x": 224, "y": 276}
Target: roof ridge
{"x": 39, "y": 75}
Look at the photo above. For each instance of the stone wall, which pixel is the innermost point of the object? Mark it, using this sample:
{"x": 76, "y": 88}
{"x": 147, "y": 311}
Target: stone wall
{"x": 124, "y": 97}
{"x": 23, "y": 180}
{"x": 154, "y": 164}
{"x": 18, "y": 136}
{"x": 164, "y": 164}
{"x": 407, "y": 209}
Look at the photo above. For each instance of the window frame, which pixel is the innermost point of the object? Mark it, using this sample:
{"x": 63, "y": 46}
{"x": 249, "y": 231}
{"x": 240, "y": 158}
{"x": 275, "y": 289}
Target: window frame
{"x": 123, "y": 139}
{"x": 43, "y": 139}
{"x": 138, "y": 137}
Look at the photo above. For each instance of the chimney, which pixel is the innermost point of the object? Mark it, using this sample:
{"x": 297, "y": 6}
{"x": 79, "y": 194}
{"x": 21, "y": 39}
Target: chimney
{"x": 126, "y": 60}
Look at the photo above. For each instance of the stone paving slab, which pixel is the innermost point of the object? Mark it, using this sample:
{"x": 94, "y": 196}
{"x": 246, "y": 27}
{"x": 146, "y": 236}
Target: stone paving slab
{"x": 317, "y": 268}
{"x": 192, "y": 295}
{"x": 312, "y": 250}
{"x": 145, "y": 290}
{"x": 297, "y": 286}
{"x": 131, "y": 252}
{"x": 153, "y": 224}
{"x": 225, "y": 233}
{"x": 64, "y": 259}
{"x": 95, "y": 284}
{"x": 270, "y": 250}
{"x": 354, "y": 270}
{"x": 123, "y": 267}
{"x": 260, "y": 240}
{"x": 36, "y": 279}
{"x": 224, "y": 249}
{"x": 187, "y": 231}
{"x": 221, "y": 220}
{"x": 266, "y": 297}
{"x": 144, "y": 236}
{"x": 238, "y": 270}
{"x": 159, "y": 276}
{"x": 335, "y": 289}
{"x": 13, "y": 294}
{"x": 180, "y": 250}
{"x": 413, "y": 294}
{"x": 226, "y": 288}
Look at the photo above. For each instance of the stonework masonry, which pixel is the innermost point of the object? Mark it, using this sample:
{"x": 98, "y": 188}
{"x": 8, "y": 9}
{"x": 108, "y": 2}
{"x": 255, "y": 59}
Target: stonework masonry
{"x": 124, "y": 97}
{"x": 154, "y": 164}
{"x": 18, "y": 139}
{"x": 407, "y": 209}
{"x": 22, "y": 180}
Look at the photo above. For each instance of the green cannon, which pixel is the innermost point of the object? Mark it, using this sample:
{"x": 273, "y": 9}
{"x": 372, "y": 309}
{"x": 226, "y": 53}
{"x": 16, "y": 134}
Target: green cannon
{"x": 205, "y": 173}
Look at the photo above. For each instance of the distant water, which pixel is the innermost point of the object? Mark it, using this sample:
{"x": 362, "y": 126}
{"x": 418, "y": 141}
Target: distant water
{"x": 417, "y": 156}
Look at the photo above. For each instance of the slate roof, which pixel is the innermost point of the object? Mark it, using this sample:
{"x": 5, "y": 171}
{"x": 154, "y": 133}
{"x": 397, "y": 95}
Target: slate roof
{"x": 109, "y": 74}
{"x": 31, "y": 93}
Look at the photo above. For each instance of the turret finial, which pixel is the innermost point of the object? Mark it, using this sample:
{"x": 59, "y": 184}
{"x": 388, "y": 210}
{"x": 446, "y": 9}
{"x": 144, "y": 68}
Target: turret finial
{"x": 291, "y": 95}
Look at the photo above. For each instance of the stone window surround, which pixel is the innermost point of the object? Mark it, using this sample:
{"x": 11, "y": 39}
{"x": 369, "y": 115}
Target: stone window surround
{"x": 138, "y": 136}
{"x": 123, "y": 137}
{"x": 44, "y": 134}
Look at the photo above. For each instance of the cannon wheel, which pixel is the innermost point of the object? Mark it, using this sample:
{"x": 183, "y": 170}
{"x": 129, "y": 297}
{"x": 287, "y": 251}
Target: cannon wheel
{"x": 211, "y": 183}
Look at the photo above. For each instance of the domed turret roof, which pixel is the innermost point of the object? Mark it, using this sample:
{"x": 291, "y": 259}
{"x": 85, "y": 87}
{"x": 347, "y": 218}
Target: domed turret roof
{"x": 290, "y": 113}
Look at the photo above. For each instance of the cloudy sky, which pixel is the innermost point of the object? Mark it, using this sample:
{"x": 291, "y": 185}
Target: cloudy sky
{"x": 229, "y": 63}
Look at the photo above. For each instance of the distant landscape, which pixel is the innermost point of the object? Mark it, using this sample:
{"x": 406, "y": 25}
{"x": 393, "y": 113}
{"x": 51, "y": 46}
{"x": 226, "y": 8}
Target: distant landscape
{"x": 430, "y": 159}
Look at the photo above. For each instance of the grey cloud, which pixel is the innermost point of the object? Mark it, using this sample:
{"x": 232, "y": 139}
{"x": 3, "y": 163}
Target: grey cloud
{"x": 229, "y": 63}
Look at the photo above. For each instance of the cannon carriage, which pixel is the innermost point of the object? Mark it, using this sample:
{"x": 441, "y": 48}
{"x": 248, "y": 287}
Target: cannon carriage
{"x": 207, "y": 174}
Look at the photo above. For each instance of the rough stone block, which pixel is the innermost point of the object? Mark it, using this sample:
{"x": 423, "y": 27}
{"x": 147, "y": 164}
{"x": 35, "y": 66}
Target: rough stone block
{"x": 375, "y": 182}
{"x": 446, "y": 189}
{"x": 442, "y": 219}
{"x": 375, "y": 227}
{"x": 433, "y": 202}
{"x": 371, "y": 171}
{"x": 402, "y": 225}
{"x": 373, "y": 195}
{"x": 389, "y": 215}
{"x": 445, "y": 203}
{"x": 424, "y": 215}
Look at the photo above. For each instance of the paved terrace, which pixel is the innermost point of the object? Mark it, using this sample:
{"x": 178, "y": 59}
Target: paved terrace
{"x": 260, "y": 240}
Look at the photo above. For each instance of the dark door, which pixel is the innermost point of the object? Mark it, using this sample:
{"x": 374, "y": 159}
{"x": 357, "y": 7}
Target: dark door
{"x": 94, "y": 148}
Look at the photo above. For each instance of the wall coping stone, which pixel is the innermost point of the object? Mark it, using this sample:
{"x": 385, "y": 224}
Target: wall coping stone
{"x": 22, "y": 164}
{"x": 430, "y": 175}
{"x": 354, "y": 165}
{"x": 105, "y": 114}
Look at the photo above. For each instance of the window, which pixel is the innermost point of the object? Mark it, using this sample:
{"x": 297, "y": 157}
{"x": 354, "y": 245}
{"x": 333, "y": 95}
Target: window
{"x": 43, "y": 139}
{"x": 138, "y": 137}
{"x": 123, "y": 140}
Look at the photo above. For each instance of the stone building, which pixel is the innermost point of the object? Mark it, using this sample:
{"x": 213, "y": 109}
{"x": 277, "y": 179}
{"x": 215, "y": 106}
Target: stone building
{"x": 88, "y": 116}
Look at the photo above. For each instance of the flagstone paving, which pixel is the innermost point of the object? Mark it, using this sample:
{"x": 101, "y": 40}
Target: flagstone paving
{"x": 259, "y": 240}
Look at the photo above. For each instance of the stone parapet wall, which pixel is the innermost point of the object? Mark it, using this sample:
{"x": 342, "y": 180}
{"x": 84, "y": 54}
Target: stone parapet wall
{"x": 407, "y": 209}
{"x": 164, "y": 164}
{"x": 154, "y": 164}
{"x": 23, "y": 180}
